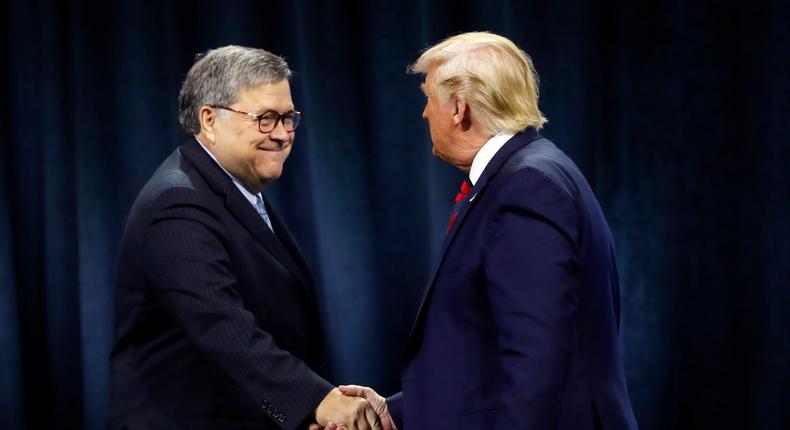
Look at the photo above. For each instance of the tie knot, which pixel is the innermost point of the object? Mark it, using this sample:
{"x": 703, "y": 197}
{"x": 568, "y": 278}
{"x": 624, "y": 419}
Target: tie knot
{"x": 466, "y": 188}
{"x": 261, "y": 208}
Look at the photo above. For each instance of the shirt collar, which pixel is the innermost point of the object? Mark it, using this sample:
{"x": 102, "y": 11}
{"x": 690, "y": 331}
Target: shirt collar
{"x": 252, "y": 198}
{"x": 486, "y": 153}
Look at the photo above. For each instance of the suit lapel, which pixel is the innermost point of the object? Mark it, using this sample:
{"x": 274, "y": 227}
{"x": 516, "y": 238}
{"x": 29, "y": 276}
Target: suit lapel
{"x": 241, "y": 208}
{"x": 288, "y": 241}
{"x": 516, "y": 142}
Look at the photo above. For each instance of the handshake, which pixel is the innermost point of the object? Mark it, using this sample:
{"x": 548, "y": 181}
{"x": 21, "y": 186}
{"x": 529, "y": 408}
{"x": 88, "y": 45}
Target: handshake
{"x": 352, "y": 407}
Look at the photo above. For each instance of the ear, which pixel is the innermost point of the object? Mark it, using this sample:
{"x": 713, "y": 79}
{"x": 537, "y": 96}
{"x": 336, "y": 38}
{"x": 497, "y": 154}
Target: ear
{"x": 208, "y": 120}
{"x": 462, "y": 115}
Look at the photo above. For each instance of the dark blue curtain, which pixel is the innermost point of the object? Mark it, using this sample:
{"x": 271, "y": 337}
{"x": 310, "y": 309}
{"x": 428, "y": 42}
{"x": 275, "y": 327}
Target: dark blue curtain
{"x": 676, "y": 111}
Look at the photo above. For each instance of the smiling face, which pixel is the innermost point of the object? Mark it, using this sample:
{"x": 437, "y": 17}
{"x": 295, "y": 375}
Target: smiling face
{"x": 236, "y": 142}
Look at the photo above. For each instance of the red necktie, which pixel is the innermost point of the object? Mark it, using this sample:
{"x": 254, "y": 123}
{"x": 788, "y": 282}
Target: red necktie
{"x": 463, "y": 193}
{"x": 466, "y": 188}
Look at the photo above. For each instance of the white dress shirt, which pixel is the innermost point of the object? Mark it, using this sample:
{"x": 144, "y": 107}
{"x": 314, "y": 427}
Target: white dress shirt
{"x": 486, "y": 153}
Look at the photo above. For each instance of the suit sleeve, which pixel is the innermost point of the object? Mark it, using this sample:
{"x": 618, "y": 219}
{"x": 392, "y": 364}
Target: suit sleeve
{"x": 190, "y": 269}
{"x": 531, "y": 271}
{"x": 395, "y": 407}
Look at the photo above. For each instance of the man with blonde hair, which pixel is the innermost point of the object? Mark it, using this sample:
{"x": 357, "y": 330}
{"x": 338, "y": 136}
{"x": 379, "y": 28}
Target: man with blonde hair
{"x": 518, "y": 327}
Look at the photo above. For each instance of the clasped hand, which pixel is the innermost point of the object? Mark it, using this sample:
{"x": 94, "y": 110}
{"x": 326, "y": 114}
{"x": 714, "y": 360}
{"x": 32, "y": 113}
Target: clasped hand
{"x": 353, "y": 407}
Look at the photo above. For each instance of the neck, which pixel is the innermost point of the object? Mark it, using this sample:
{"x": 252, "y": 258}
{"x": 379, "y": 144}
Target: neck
{"x": 254, "y": 186}
{"x": 471, "y": 141}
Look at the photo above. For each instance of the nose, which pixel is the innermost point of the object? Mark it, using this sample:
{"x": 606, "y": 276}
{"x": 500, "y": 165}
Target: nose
{"x": 279, "y": 134}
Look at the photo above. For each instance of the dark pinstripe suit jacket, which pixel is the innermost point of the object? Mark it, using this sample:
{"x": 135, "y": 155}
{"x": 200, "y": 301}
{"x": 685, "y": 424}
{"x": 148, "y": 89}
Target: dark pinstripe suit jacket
{"x": 216, "y": 325}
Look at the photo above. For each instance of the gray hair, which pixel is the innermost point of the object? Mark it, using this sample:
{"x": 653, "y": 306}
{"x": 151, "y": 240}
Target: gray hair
{"x": 219, "y": 74}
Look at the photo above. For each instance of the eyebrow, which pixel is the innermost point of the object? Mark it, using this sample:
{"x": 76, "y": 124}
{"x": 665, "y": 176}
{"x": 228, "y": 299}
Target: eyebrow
{"x": 266, "y": 110}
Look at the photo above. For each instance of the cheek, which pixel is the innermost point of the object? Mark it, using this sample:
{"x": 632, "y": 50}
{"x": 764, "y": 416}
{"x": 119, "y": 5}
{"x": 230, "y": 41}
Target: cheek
{"x": 437, "y": 128}
{"x": 271, "y": 160}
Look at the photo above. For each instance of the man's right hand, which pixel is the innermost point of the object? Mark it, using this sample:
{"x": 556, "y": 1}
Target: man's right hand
{"x": 378, "y": 403}
{"x": 353, "y": 413}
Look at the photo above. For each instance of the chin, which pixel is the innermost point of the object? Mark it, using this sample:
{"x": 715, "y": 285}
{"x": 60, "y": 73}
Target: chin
{"x": 268, "y": 179}
{"x": 269, "y": 176}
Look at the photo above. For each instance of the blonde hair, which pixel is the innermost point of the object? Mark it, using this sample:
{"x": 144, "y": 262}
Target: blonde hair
{"x": 490, "y": 73}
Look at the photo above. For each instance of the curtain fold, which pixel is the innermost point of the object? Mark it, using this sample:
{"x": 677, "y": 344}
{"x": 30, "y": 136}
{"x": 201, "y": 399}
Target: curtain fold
{"x": 676, "y": 112}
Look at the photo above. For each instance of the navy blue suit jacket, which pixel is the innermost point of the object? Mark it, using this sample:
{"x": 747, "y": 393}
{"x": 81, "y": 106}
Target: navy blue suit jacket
{"x": 518, "y": 328}
{"x": 216, "y": 325}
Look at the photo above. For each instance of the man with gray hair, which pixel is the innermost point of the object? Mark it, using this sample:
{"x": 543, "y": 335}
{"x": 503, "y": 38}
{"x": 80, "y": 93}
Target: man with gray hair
{"x": 216, "y": 324}
{"x": 518, "y": 326}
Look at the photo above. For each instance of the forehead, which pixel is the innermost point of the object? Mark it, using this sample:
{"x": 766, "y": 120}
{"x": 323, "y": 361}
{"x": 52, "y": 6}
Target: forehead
{"x": 427, "y": 84}
{"x": 268, "y": 96}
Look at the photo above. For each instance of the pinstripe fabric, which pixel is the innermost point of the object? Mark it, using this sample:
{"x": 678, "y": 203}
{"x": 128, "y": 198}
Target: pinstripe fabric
{"x": 216, "y": 325}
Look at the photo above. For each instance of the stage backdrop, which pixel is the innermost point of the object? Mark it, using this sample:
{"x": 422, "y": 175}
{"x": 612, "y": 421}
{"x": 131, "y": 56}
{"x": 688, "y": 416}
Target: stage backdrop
{"x": 676, "y": 112}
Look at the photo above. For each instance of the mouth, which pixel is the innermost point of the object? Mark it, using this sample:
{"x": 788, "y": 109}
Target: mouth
{"x": 273, "y": 148}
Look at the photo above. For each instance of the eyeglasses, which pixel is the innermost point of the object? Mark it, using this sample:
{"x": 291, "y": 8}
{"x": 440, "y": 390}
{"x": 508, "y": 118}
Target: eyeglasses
{"x": 268, "y": 120}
